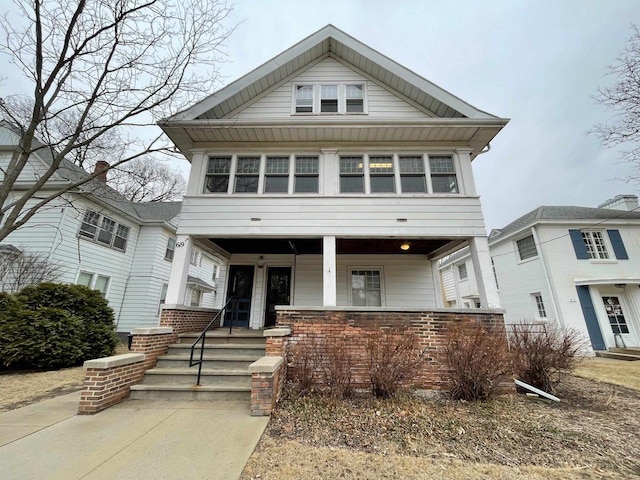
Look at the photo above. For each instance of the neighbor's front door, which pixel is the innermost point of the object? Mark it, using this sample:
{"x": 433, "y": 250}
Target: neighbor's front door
{"x": 278, "y": 292}
{"x": 241, "y": 287}
{"x": 618, "y": 321}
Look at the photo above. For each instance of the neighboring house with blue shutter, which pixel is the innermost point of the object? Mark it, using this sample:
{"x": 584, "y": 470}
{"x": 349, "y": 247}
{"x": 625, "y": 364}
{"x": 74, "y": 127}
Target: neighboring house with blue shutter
{"x": 575, "y": 265}
{"x": 122, "y": 249}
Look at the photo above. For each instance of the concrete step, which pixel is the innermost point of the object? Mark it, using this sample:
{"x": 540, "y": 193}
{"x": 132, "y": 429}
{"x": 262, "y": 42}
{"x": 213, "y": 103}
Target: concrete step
{"x": 617, "y": 356}
{"x": 210, "y": 361}
{"x": 219, "y": 349}
{"x": 176, "y": 392}
{"x": 222, "y": 336}
{"x": 188, "y": 376}
{"x": 629, "y": 350}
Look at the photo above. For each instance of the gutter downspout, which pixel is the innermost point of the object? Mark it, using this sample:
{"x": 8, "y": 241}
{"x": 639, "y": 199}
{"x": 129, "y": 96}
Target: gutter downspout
{"x": 554, "y": 300}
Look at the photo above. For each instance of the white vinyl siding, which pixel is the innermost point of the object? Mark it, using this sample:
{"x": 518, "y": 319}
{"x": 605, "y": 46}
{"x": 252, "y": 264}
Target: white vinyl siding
{"x": 380, "y": 102}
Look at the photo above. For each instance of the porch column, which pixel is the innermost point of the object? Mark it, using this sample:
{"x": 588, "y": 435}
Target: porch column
{"x": 179, "y": 271}
{"x": 329, "y": 271}
{"x": 481, "y": 258}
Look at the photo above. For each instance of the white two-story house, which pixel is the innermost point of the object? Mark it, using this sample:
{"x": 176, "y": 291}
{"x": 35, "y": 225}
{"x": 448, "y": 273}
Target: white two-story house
{"x": 332, "y": 177}
{"x": 101, "y": 240}
{"x": 576, "y": 266}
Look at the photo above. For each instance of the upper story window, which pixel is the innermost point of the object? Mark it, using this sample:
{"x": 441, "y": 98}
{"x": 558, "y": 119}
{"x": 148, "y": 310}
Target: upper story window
{"x": 330, "y": 98}
{"x": 594, "y": 242}
{"x": 306, "y": 176}
{"x": 352, "y": 174}
{"x": 462, "y": 271}
{"x": 170, "y": 250}
{"x": 381, "y": 175}
{"x": 217, "y": 178}
{"x": 276, "y": 177}
{"x": 527, "y": 247}
{"x": 443, "y": 174}
{"x": 247, "y": 175}
{"x": 103, "y": 230}
{"x": 412, "y": 179}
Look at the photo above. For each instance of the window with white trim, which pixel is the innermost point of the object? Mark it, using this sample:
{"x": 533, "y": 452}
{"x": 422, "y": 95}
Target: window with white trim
{"x": 170, "y": 250}
{"x": 94, "y": 282}
{"x": 196, "y": 258}
{"x": 306, "y": 175}
{"x": 276, "y": 175}
{"x": 443, "y": 174}
{"x": 217, "y": 177}
{"x": 527, "y": 248}
{"x": 381, "y": 175}
{"x": 330, "y": 98}
{"x": 462, "y": 271}
{"x": 595, "y": 244}
{"x": 366, "y": 287}
{"x": 539, "y": 303}
{"x": 247, "y": 175}
{"x": 412, "y": 179}
{"x": 352, "y": 174}
{"x": 196, "y": 297}
{"x": 103, "y": 230}
{"x": 163, "y": 296}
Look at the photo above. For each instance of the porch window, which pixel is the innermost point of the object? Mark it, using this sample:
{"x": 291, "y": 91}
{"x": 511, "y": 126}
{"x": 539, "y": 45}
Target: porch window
{"x": 196, "y": 258}
{"x": 217, "y": 178}
{"x": 329, "y": 98}
{"x": 355, "y": 99}
{"x": 412, "y": 179}
{"x": 443, "y": 174}
{"x": 277, "y": 175}
{"x": 381, "y": 175}
{"x": 539, "y": 303}
{"x": 527, "y": 247}
{"x": 196, "y": 297}
{"x": 247, "y": 175}
{"x": 352, "y": 174}
{"x": 366, "y": 288}
{"x": 306, "y": 177}
{"x": 596, "y": 247}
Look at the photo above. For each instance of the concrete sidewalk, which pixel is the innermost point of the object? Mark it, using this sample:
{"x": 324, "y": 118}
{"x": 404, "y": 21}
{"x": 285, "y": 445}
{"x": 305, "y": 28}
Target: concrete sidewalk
{"x": 133, "y": 440}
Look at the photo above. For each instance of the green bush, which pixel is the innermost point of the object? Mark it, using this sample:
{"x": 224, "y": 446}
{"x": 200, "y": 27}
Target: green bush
{"x": 54, "y": 326}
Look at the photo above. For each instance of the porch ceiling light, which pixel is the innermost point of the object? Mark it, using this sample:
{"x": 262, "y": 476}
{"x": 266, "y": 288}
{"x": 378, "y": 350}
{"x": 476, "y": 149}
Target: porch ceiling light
{"x": 405, "y": 246}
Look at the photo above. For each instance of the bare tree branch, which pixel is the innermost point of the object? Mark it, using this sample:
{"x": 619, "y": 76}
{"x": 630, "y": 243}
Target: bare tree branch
{"x": 148, "y": 180}
{"x": 101, "y": 73}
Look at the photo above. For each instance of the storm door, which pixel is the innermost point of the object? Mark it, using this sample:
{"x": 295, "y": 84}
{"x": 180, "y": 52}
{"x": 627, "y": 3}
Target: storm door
{"x": 240, "y": 287}
{"x": 278, "y": 292}
{"x": 618, "y": 321}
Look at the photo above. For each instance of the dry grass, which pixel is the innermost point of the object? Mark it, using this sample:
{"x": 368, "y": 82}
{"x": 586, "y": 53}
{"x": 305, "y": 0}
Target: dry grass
{"x": 618, "y": 372}
{"x": 590, "y": 434}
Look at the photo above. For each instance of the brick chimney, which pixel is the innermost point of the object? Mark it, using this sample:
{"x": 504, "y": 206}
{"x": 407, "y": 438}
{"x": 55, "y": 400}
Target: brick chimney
{"x": 101, "y": 168}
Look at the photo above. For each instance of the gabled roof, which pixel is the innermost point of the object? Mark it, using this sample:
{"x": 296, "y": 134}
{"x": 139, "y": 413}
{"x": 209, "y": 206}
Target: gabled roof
{"x": 559, "y": 213}
{"x": 151, "y": 212}
{"x": 331, "y": 41}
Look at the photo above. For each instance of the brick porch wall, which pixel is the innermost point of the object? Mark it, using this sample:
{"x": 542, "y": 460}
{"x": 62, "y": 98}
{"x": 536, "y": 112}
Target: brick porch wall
{"x": 185, "y": 319}
{"x": 355, "y": 325}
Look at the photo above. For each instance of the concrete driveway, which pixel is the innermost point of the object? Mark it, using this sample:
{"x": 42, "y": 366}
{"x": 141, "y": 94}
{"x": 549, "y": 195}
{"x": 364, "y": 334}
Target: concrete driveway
{"x": 134, "y": 440}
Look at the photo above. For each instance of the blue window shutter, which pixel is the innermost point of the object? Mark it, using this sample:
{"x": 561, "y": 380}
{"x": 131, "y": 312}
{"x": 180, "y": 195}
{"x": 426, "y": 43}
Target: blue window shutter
{"x": 578, "y": 245}
{"x": 590, "y": 318}
{"x": 618, "y": 246}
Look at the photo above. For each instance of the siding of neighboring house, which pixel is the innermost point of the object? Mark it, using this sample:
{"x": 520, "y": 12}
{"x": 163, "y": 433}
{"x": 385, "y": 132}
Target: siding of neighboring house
{"x": 381, "y": 102}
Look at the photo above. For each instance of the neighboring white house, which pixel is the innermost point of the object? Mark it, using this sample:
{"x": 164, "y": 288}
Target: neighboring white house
{"x": 101, "y": 240}
{"x": 578, "y": 266}
{"x": 331, "y": 176}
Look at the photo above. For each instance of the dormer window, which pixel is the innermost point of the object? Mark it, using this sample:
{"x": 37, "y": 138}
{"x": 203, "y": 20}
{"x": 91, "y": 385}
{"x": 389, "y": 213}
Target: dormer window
{"x": 330, "y": 98}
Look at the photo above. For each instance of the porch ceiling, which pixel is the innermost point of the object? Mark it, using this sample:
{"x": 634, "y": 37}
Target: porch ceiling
{"x": 344, "y": 246}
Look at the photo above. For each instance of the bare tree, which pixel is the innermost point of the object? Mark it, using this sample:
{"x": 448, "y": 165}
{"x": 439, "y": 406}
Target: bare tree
{"x": 100, "y": 69}
{"x": 623, "y": 98}
{"x": 148, "y": 180}
{"x": 19, "y": 269}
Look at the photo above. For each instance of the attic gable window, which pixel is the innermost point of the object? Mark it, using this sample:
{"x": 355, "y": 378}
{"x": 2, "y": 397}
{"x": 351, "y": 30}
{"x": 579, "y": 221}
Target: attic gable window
{"x": 330, "y": 98}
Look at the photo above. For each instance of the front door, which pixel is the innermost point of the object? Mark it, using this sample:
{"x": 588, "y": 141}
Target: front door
{"x": 240, "y": 287}
{"x": 618, "y": 321}
{"x": 278, "y": 292}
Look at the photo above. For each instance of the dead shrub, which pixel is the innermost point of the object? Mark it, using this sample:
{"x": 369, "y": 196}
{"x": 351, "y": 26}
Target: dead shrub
{"x": 478, "y": 360}
{"x": 337, "y": 366}
{"x": 393, "y": 358}
{"x": 541, "y": 353}
{"x": 305, "y": 363}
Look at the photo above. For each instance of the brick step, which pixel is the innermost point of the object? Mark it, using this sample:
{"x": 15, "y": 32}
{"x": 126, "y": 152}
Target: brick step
{"x": 222, "y": 336}
{"x": 188, "y": 376}
{"x": 176, "y": 392}
{"x": 209, "y": 361}
{"x": 617, "y": 356}
{"x": 218, "y": 349}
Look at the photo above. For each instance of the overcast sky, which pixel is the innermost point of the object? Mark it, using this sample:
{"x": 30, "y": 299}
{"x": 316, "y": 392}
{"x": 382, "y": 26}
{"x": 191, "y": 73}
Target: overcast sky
{"x": 537, "y": 63}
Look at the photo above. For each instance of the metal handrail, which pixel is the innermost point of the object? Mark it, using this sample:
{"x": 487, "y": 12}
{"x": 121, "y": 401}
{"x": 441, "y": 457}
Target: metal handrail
{"x": 203, "y": 337}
